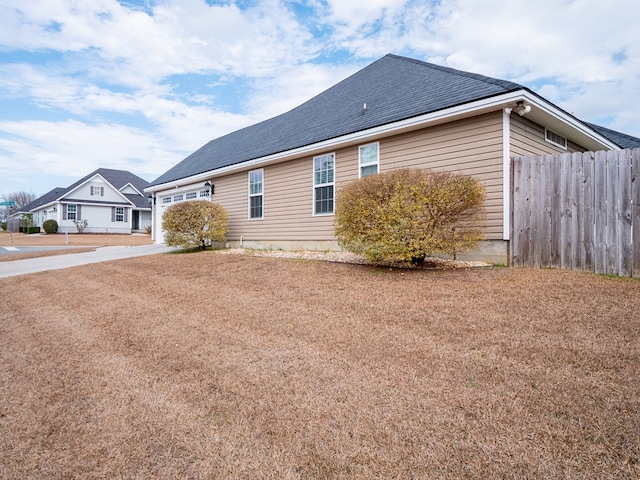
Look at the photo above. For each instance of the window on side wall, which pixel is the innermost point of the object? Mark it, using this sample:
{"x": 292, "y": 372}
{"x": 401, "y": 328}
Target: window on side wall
{"x": 323, "y": 184}
{"x": 71, "y": 212}
{"x": 255, "y": 194}
{"x": 119, "y": 214}
{"x": 369, "y": 159}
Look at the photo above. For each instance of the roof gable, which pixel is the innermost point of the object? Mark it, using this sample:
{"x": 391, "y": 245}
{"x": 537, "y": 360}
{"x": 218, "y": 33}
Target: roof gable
{"x": 118, "y": 179}
{"x": 391, "y": 89}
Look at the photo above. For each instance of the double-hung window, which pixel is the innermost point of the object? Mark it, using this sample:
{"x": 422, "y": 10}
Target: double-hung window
{"x": 255, "y": 194}
{"x": 323, "y": 184}
{"x": 369, "y": 158}
{"x": 97, "y": 191}
{"x": 71, "y": 212}
{"x": 119, "y": 214}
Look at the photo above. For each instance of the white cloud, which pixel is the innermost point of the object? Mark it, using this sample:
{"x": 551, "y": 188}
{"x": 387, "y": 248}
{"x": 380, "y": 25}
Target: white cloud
{"x": 580, "y": 51}
{"x": 135, "y": 48}
{"x": 72, "y": 147}
{"x": 293, "y": 86}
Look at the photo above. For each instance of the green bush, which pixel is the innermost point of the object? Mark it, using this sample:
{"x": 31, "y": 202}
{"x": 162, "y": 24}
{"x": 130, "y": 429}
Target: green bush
{"x": 33, "y": 230}
{"x": 407, "y": 214}
{"x": 50, "y": 226}
{"x": 196, "y": 223}
{"x": 4, "y": 226}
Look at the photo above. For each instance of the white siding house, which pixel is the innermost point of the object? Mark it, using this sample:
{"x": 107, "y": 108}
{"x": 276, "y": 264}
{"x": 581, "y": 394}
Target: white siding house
{"x": 105, "y": 201}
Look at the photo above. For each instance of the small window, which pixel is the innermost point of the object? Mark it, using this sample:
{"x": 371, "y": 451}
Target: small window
{"x": 369, "y": 158}
{"x": 553, "y": 137}
{"x": 97, "y": 191}
{"x": 205, "y": 193}
{"x": 190, "y": 195}
{"x": 323, "y": 184}
{"x": 255, "y": 194}
{"x": 166, "y": 200}
{"x": 178, "y": 198}
{"x": 119, "y": 214}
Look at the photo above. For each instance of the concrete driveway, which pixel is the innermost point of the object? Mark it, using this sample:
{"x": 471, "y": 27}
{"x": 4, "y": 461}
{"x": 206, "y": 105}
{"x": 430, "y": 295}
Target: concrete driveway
{"x": 103, "y": 254}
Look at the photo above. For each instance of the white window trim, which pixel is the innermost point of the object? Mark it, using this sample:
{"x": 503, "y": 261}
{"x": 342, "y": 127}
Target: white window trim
{"x": 75, "y": 211}
{"x": 376, "y": 163}
{"x": 314, "y": 186}
{"x": 115, "y": 216}
{"x": 250, "y": 195}
{"x": 546, "y": 138}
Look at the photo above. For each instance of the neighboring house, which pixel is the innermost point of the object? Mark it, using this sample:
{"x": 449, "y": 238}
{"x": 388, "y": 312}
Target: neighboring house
{"x": 278, "y": 179}
{"x": 111, "y": 201}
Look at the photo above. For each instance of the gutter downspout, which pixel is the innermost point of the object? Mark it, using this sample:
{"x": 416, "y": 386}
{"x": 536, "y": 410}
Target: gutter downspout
{"x": 506, "y": 173}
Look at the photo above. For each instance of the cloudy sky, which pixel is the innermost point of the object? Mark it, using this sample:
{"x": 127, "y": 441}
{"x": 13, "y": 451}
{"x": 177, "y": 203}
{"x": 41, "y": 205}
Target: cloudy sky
{"x": 140, "y": 84}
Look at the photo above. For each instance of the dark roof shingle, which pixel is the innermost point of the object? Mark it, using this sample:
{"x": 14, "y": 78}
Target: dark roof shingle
{"x": 621, "y": 139}
{"x": 117, "y": 178}
{"x": 338, "y": 111}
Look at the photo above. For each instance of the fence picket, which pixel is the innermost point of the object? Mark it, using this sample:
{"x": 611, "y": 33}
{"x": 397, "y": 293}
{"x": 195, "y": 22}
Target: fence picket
{"x": 556, "y": 202}
{"x": 517, "y": 213}
{"x": 588, "y": 230}
{"x": 624, "y": 220}
{"x": 635, "y": 212}
{"x": 613, "y": 213}
{"x": 577, "y": 244}
{"x": 600, "y": 212}
{"x": 566, "y": 212}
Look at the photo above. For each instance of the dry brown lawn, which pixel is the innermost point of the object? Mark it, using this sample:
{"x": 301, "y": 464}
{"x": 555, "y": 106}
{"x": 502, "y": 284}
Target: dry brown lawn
{"x": 235, "y": 367}
{"x": 72, "y": 243}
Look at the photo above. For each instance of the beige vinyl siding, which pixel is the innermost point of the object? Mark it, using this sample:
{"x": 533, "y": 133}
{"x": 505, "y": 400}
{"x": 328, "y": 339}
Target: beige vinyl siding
{"x": 472, "y": 146}
{"x": 527, "y": 138}
{"x": 287, "y": 204}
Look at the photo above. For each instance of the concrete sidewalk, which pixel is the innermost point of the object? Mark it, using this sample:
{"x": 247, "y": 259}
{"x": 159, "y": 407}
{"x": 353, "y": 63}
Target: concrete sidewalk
{"x": 103, "y": 254}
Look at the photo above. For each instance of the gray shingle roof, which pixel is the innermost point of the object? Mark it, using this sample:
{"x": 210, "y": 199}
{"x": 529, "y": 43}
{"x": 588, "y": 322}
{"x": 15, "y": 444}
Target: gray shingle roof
{"x": 117, "y": 178}
{"x": 138, "y": 200}
{"x": 394, "y": 88}
{"x": 48, "y": 197}
{"x": 621, "y": 139}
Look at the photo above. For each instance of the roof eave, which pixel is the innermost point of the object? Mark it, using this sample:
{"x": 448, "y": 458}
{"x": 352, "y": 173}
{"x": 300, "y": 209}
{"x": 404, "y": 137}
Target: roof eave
{"x": 542, "y": 112}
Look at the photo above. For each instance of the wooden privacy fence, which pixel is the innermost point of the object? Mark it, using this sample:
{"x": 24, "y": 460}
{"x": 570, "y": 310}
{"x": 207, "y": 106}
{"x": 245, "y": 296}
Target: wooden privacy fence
{"x": 577, "y": 211}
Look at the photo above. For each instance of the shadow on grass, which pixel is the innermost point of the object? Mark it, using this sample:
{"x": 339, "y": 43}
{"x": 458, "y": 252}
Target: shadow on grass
{"x": 183, "y": 251}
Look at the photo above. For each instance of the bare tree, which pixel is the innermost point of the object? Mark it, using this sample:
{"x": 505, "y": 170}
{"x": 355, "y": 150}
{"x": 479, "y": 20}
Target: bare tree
{"x": 20, "y": 198}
